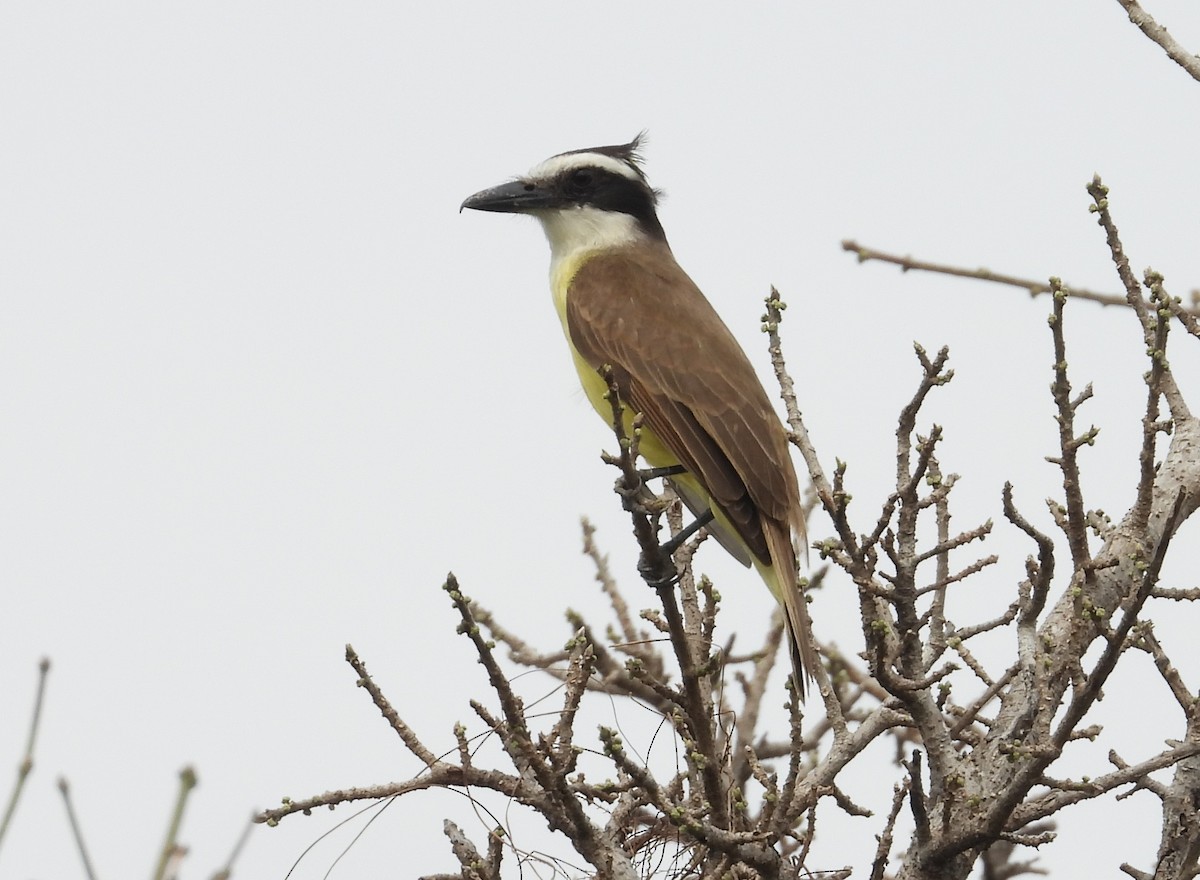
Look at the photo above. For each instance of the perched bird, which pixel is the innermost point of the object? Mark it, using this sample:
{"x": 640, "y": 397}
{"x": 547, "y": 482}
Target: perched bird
{"x": 625, "y": 302}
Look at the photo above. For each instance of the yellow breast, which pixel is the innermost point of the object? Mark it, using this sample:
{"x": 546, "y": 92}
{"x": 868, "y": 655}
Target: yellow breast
{"x": 652, "y": 449}
{"x": 562, "y": 272}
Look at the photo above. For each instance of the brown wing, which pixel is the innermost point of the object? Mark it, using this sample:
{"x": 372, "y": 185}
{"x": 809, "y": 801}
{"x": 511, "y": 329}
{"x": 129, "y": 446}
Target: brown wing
{"x": 677, "y": 426}
{"x": 639, "y": 311}
{"x": 676, "y": 362}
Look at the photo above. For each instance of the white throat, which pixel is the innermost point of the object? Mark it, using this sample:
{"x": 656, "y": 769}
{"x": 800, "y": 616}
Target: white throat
{"x": 573, "y": 232}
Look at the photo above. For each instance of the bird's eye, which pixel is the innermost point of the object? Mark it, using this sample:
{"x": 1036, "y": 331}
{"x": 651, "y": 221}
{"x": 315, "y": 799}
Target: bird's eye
{"x": 580, "y": 181}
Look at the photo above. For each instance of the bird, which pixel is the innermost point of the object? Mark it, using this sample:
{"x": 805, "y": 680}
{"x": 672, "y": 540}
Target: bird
{"x": 626, "y": 306}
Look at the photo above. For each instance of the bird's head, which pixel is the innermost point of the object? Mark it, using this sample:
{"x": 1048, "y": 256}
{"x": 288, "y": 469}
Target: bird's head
{"x": 592, "y": 198}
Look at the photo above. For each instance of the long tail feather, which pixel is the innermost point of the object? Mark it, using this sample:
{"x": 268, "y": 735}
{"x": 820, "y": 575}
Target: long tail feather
{"x": 784, "y": 580}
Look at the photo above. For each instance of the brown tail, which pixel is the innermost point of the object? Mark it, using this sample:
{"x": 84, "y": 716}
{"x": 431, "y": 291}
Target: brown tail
{"x": 784, "y": 580}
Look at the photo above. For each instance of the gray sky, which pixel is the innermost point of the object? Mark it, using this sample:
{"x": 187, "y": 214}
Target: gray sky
{"x": 263, "y": 386}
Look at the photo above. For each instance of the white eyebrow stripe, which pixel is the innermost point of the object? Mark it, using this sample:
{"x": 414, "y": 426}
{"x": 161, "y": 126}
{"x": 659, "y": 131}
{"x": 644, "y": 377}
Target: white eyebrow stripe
{"x": 555, "y": 165}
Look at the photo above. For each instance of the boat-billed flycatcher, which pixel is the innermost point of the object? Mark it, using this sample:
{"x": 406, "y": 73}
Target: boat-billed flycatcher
{"x": 625, "y": 302}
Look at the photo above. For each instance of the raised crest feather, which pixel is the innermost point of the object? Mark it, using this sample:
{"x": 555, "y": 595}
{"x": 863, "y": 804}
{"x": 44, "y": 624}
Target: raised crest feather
{"x": 630, "y": 153}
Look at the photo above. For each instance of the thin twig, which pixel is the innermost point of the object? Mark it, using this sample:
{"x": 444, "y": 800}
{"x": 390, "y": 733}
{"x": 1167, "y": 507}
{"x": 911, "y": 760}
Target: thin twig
{"x": 26, "y": 766}
{"x": 170, "y": 847}
{"x": 883, "y": 850}
{"x": 1064, "y": 793}
{"x": 406, "y": 734}
{"x": 226, "y": 870}
{"x": 1083, "y": 699}
{"x": 608, "y": 584}
{"x": 1147, "y": 315}
{"x": 1180, "y": 691}
{"x": 1155, "y": 381}
{"x": 64, "y": 789}
{"x": 1068, "y": 463}
{"x": 1033, "y": 288}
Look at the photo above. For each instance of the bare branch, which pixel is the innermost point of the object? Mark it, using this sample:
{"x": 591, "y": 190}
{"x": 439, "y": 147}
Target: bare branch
{"x": 970, "y": 712}
{"x": 442, "y": 776}
{"x": 1064, "y": 794}
{"x": 1189, "y": 595}
{"x": 1076, "y": 529}
{"x": 1162, "y": 380}
{"x": 1179, "y": 848}
{"x": 1148, "y": 317}
{"x": 1147, "y": 640}
{"x": 754, "y": 689}
{"x": 1135, "y": 873}
{"x": 1083, "y": 700}
{"x": 747, "y": 847}
{"x": 939, "y": 586}
{"x": 998, "y": 862}
{"x": 883, "y": 850}
{"x": 1156, "y": 32}
{"x": 1033, "y": 288}
{"x": 1040, "y": 572}
{"x": 629, "y": 632}
{"x": 385, "y": 708}
{"x": 474, "y": 867}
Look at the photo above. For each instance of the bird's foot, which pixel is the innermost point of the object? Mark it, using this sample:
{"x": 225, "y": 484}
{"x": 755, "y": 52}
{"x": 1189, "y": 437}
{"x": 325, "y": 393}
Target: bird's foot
{"x": 661, "y": 572}
{"x": 641, "y": 498}
{"x": 658, "y": 570}
{"x": 669, "y": 547}
{"x": 655, "y": 473}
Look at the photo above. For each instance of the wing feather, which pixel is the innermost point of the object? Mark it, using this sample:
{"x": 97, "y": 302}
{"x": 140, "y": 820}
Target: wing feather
{"x": 677, "y": 363}
{"x": 687, "y": 374}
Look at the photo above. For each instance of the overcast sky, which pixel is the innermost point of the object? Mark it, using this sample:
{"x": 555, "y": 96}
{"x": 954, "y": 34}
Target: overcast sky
{"x": 262, "y": 386}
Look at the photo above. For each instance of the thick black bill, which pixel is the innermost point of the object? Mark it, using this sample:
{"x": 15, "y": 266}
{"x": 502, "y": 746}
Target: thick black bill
{"x": 517, "y": 197}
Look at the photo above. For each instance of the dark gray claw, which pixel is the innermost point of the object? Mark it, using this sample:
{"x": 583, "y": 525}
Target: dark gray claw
{"x": 661, "y": 572}
{"x": 655, "y": 473}
{"x": 669, "y": 547}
